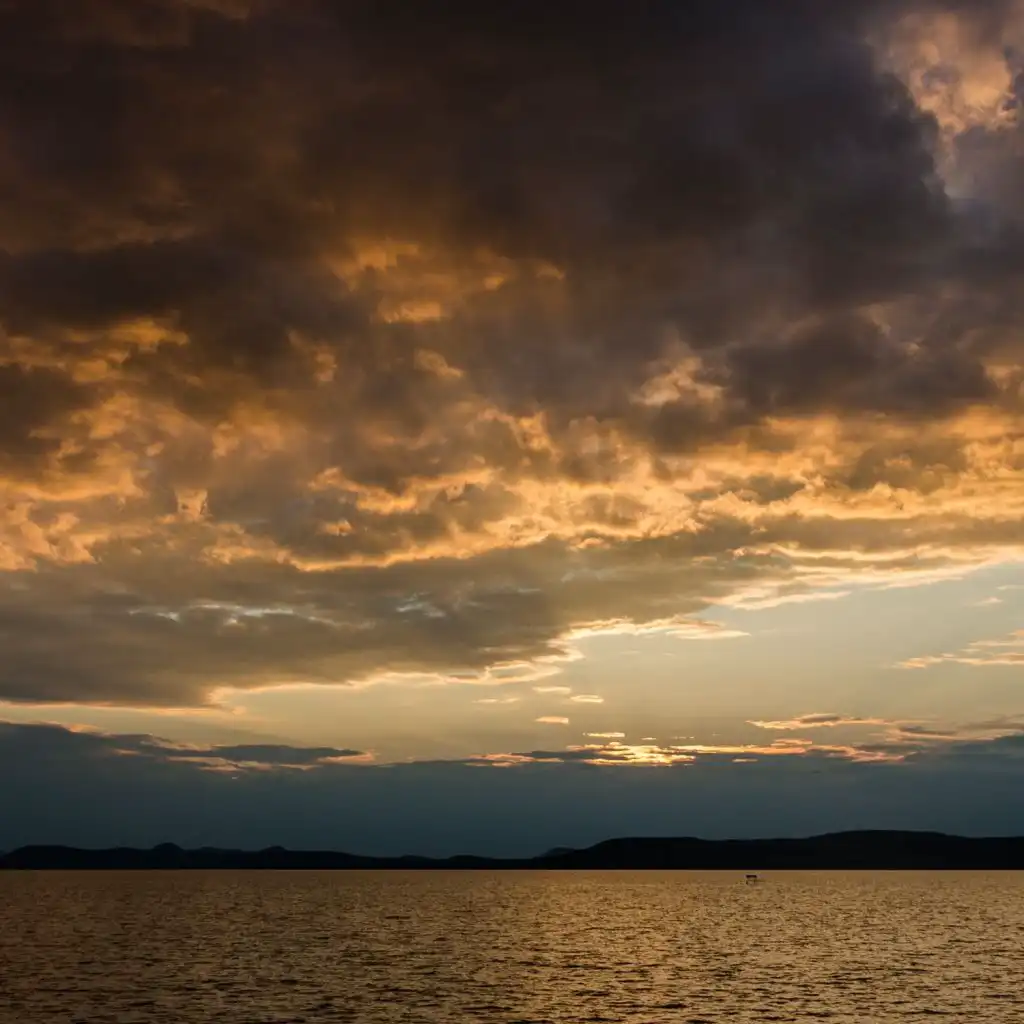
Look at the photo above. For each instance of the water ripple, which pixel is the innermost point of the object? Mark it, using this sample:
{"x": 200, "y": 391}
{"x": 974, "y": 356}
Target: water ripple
{"x": 508, "y": 948}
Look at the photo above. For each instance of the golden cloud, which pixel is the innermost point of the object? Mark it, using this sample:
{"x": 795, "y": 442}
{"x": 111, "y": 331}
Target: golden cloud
{"x": 466, "y": 376}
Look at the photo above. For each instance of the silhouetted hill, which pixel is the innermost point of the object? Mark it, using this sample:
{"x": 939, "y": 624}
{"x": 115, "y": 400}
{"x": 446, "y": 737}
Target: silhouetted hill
{"x": 878, "y": 851}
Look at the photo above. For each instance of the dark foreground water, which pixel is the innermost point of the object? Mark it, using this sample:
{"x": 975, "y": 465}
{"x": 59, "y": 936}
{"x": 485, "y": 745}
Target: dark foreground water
{"x": 187, "y": 948}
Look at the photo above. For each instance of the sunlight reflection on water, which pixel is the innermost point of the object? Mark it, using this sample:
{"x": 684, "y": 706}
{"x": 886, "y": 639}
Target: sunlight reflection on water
{"x": 269, "y": 948}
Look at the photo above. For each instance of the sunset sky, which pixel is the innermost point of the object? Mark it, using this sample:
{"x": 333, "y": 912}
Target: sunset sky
{"x": 484, "y": 427}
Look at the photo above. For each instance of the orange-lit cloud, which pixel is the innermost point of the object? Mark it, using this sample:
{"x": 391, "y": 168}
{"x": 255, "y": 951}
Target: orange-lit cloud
{"x": 312, "y": 377}
{"x": 818, "y": 721}
{"x": 614, "y": 752}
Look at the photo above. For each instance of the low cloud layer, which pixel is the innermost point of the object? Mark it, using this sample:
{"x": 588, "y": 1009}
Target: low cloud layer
{"x": 348, "y": 339}
{"x": 94, "y": 789}
{"x": 93, "y": 744}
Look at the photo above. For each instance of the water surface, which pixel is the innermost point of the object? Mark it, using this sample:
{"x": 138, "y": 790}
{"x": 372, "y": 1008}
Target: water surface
{"x": 275, "y": 947}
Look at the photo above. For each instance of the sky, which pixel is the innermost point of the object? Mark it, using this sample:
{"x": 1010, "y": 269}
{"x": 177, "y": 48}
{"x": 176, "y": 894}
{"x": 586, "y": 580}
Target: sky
{"x": 483, "y": 428}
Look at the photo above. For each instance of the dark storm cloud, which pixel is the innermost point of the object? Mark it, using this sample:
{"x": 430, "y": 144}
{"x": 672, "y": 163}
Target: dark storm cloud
{"x": 674, "y": 188}
{"x": 236, "y": 308}
{"x": 32, "y": 398}
{"x": 72, "y": 788}
{"x": 196, "y": 317}
{"x": 623, "y": 146}
{"x": 847, "y": 362}
{"x": 271, "y": 626}
{"x": 561, "y": 133}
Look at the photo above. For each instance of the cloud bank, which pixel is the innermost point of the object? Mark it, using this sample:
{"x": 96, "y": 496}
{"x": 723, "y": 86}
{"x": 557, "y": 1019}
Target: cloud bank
{"x": 346, "y": 339}
{"x": 93, "y": 789}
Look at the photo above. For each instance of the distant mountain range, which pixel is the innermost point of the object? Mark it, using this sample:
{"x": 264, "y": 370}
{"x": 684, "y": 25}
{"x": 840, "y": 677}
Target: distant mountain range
{"x": 877, "y": 851}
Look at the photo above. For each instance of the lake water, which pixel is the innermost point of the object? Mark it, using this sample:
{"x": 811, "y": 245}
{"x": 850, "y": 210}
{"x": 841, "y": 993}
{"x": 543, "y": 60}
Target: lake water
{"x": 269, "y": 948}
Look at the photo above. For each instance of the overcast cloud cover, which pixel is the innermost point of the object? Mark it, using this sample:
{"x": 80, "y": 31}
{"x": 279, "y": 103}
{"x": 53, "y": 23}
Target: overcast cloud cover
{"x": 352, "y": 341}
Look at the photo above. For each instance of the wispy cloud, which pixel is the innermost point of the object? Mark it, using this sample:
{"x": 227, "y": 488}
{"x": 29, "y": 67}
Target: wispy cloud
{"x": 901, "y": 735}
{"x": 235, "y": 757}
{"x": 613, "y": 752}
{"x": 789, "y": 747}
{"x": 1008, "y": 651}
{"x": 762, "y": 598}
{"x": 587, "y": 698}
{"x": 822, "y": 720}
{"x": 678, "y": 627}
{"x": 552, "y": 720}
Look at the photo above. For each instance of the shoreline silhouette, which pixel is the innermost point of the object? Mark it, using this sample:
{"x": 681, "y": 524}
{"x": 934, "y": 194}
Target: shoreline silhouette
{"x": 861, "y": 850}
